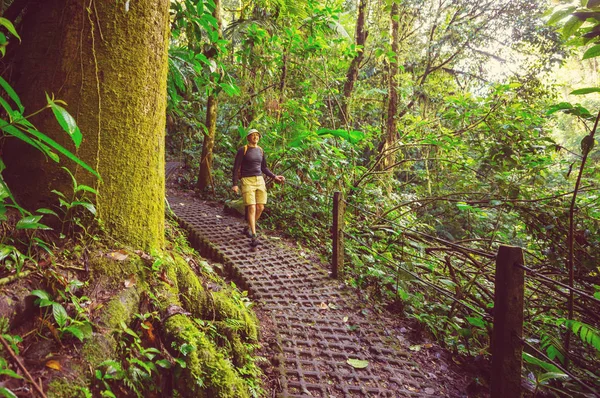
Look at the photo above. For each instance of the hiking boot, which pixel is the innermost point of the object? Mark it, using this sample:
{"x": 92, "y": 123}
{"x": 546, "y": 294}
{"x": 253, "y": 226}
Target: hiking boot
{"x": 255, "y": 242}
{"x": 246, "y": 232}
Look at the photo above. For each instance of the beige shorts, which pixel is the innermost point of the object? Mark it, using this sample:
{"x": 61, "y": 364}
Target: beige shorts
{"x": 254, "y": 190}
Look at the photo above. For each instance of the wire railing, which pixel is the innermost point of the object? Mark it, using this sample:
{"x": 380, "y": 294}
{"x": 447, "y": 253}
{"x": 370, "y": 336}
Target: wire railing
{"x": 473, "y": 295}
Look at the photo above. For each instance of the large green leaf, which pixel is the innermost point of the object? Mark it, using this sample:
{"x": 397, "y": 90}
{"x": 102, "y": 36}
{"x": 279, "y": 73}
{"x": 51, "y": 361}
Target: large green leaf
{"x": 15, "y": 132}
{"x": 545, "y": 377}
{"x": 592, "y": 52}
{"x": 560, "y": 14}
{"x": 62, "y": 150}
{"x": 90, "y": 207}
{"x": 6, "y": 393}
{"x": 60, "y": 314}
{"x": 10, "y": 27}
{"x": 587, "y": 90}
{"x": 352, "y": 136}
{"x": 66, "y": 121}
{"x": 31, "y": 222}
{"x": 571, "y": 27}
{"x": 549, "y": 367}
{"x": 11, "y": 93}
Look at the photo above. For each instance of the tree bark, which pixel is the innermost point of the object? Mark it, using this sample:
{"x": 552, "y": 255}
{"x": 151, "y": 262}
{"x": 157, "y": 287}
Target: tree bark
{"x": 108, "y": 61}
{"x": 206, "y": 159}
{"x": 352, "y": 74}
{"x": 391, "y": 121}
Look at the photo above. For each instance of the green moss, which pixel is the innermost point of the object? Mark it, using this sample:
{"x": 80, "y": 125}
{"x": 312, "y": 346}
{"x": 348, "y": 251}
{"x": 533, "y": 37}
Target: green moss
{"x": 114, "y": 271}
{"x": 194, "y": 296}
{"x": 208, "y": 373}
{"x": 119, "y": 309}
{"x": 64, "y": 388}
{"x": 226, "y": 307}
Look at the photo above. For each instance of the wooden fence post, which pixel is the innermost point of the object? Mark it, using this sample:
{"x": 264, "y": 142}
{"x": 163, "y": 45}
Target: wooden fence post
{"x": 337, "y": 260}
{"x": 506, "y": 344}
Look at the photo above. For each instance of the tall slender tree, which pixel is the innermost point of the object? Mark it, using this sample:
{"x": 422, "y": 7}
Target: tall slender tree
{"x": 392, "y": 108}
{"x": 352, "y": 74}
{"x": 206, "y": 159}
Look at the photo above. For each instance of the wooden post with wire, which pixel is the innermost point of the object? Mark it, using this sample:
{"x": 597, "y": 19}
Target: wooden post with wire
{"x": 337, "y": 258}
{"x": 506, "y": 344}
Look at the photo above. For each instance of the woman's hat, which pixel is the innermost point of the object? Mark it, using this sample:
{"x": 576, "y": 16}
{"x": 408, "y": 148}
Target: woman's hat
{"x": 251, "y": 131}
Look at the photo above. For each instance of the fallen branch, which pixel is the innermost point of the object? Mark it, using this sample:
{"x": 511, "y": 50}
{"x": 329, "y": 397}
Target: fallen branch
{"x": 22, "y": 367}
{"x": 14, "y": 277}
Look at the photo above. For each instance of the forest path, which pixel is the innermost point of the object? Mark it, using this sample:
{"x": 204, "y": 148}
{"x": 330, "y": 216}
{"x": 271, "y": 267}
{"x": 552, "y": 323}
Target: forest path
{"x": 316, "y": 326}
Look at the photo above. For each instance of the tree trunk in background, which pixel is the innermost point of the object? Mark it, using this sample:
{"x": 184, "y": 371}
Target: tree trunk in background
{"x": 206, "y": 159}
{"x": 391, "y": 122}
{"x": 108, "y": 61}
{"x": 352, "y": 74}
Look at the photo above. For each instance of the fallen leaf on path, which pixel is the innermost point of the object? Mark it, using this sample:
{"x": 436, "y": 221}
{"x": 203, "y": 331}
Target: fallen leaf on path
{"x": 415, "y": 348}
{"x": 429, "y": 391}
{"x": 345, "y": 319}
{"x": 323, "y": 306}
{"x": 52, "y": 364}
{"x": 357, "y": 363}
{"x": 332, "y": 306}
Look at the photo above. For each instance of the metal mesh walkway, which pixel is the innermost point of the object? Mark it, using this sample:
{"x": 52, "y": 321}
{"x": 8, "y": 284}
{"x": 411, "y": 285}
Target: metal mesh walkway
{"x": 318, "y": 326}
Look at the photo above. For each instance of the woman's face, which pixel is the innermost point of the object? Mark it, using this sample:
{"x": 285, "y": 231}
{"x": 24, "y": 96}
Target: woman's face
{"x": 253, "y": 138}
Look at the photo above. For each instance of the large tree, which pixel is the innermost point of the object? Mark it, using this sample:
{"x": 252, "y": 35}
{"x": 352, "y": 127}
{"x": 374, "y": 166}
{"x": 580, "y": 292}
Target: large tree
{"x": 108, "y": 62}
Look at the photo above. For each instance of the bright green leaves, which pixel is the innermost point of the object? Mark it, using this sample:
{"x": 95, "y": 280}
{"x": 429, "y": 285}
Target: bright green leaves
{"x": 9, "y": 26}
{"x": 66, "y": 121}
{"x": 560, "y": 13}
{"x": 12, "y": 94}
{"x": 575, "y": 110}
{"x": 351, "y": 136}
{"x": 587, "y": 90}
{"x": 31, "y": 222}
{"x": 592, "y": 52}
{"x": 78, "y": 328}
{"x": 19, "y": 127}
{"x": 3, "y": 39}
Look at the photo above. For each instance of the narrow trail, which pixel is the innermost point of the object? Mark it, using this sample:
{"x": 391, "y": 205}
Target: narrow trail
{"x": 316, "y": 324}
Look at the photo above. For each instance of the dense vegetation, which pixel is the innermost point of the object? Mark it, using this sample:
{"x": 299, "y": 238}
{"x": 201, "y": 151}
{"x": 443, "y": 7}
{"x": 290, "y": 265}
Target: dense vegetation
{"x": 441, "y": 122}
{"x": 443, "y": 125}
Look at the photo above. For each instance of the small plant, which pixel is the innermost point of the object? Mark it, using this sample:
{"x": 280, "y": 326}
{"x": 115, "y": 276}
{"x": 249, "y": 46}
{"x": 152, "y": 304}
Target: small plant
{"x": 77, "y": 327}
{"x": 139, "y": 364}
{"x": 78, "y": 201}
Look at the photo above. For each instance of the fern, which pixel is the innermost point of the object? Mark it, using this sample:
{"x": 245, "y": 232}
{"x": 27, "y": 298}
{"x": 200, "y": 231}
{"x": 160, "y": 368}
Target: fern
{"x": 552, "y": 347}
{"x": 586, "y": 333}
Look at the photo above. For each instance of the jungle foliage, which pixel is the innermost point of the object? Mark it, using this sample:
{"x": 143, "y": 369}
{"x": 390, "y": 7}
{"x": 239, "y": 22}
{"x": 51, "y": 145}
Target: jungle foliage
{"x": 485, "y": 150}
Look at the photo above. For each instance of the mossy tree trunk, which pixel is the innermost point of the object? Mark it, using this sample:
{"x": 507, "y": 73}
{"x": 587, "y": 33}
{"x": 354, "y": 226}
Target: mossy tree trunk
{"x": 206, "y": 159}
{"x": 108, "y": 61}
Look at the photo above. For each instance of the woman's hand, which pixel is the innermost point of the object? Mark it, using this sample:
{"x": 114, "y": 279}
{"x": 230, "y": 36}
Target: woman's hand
{"x": 235, "y": 189}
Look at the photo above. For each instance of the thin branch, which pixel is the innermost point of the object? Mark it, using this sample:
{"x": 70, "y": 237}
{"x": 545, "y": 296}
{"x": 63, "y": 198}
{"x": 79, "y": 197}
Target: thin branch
{"x": 8, "y": 348}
